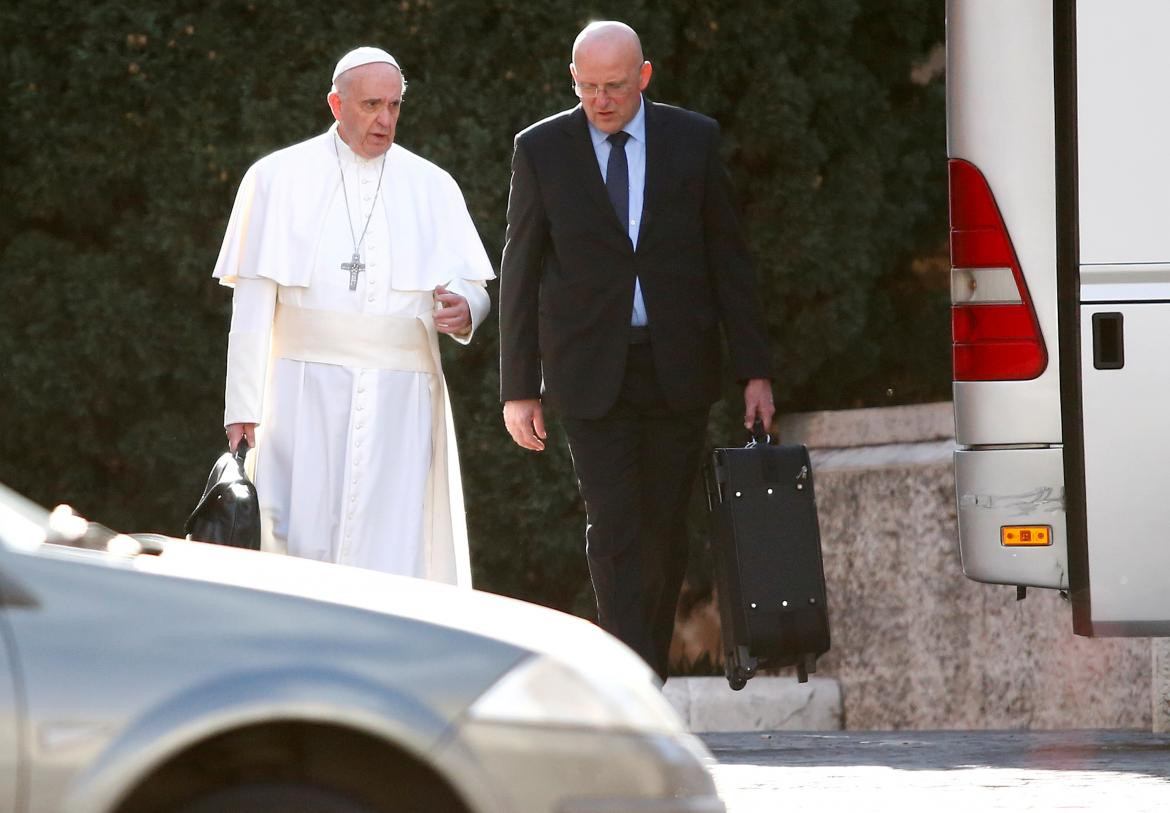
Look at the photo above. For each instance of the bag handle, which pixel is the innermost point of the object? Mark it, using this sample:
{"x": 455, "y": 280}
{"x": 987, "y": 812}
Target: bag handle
{"x": 241, "y": 449}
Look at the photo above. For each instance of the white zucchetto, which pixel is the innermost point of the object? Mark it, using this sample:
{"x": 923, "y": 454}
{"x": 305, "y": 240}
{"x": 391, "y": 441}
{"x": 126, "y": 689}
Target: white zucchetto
{"x": 365, "y": 55}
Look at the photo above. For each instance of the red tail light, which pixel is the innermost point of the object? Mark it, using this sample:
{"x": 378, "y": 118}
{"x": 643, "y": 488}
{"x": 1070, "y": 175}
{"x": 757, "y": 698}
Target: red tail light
{"x": 993, "y": 324}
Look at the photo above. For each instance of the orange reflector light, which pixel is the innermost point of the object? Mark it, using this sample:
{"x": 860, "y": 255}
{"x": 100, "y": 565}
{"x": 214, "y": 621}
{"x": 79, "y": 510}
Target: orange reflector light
{"x": 1016, "y": 536}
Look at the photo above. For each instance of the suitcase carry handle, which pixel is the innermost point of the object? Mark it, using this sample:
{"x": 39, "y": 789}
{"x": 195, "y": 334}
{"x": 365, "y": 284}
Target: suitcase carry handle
{"x": 759, "y": 436}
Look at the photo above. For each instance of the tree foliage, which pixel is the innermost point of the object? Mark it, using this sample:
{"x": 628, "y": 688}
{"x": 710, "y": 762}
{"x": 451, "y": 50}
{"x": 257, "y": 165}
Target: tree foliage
{"x": 129, "y": 125}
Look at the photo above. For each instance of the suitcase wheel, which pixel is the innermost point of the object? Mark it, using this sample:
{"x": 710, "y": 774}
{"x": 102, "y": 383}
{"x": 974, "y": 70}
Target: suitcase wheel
{"x": 738, "y": 676}
{"x": 739, "y": 667}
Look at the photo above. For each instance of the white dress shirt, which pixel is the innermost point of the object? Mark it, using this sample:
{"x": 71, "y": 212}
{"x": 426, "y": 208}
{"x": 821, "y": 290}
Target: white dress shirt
{"x": 636, "y": 159}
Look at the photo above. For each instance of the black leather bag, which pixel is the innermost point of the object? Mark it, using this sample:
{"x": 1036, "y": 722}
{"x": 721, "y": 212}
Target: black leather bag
{"x": 228, "y": 513}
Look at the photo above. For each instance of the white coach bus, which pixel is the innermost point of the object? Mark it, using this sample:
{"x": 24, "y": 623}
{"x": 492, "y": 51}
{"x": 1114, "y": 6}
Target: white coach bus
{"x": 1058, "y": 128}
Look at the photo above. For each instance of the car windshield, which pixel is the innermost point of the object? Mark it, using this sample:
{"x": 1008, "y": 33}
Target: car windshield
{"x": 23, "y": 523}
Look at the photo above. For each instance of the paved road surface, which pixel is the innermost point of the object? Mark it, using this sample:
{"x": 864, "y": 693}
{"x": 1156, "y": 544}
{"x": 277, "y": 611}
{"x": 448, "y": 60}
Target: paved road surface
{"x": 943, "y": 771}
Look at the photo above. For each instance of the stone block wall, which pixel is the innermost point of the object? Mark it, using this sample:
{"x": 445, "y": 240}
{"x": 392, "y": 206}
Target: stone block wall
{"x": 916, "y": 645}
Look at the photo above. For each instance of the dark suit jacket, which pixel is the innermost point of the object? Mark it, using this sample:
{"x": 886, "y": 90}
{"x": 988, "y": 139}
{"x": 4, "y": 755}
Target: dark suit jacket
{"x": 567, "y": 276}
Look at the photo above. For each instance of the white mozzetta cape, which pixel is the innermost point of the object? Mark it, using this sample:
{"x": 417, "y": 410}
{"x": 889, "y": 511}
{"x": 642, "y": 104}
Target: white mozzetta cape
{"x": 276, "y": 226}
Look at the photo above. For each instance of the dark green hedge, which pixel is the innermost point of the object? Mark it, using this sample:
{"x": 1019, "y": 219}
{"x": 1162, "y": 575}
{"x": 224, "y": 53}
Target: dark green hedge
{"x": 129, "y": 124}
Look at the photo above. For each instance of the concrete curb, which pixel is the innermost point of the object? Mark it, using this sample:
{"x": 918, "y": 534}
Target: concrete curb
{"x": 707, "y": 704}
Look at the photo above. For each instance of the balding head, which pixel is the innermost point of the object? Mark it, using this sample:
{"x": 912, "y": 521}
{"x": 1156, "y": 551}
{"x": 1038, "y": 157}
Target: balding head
{"x": 609, "y": 73}
{"x": 609, "y": 34}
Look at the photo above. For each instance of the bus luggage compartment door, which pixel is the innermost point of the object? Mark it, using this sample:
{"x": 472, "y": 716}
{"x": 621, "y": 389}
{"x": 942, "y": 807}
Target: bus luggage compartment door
{"x": 1125, "y": 399}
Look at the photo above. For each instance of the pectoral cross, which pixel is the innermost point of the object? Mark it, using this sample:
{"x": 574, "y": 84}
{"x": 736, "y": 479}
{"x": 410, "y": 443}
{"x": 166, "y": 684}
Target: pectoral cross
{"x": 354, "y": 267}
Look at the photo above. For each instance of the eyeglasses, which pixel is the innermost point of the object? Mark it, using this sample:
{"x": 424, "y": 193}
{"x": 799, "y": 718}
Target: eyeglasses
{"x": 588, "y": 90}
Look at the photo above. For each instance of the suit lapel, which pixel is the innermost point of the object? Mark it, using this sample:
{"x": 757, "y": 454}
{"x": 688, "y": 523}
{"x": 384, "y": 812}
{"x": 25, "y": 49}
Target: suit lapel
{"x": 656, "y": 163}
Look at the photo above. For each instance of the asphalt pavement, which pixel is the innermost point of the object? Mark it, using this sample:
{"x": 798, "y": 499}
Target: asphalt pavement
{"x": 942, "y": 771}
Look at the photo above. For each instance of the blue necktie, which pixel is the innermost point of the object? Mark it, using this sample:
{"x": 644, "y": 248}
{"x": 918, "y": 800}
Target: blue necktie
{"x": 617, "y": 177}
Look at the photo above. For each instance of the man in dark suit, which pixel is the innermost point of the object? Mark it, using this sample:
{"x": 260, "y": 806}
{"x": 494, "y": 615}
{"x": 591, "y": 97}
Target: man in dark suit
{"x": 624, "y": 253}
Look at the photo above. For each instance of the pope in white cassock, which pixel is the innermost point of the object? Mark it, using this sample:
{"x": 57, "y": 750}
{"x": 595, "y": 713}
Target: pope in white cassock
{"x": 349, "y": 255}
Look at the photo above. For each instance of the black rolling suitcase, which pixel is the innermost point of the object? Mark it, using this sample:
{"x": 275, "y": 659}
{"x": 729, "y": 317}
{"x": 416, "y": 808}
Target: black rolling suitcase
{"x": 767, "y": 550}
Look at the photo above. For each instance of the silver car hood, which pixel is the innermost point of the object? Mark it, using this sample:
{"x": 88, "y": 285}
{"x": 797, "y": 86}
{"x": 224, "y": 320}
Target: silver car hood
{"x": 526, "y": 626}
{"x": 540, "y": 630}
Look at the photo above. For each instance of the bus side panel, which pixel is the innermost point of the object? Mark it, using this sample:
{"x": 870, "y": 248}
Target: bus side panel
{"x": 1122, "y": 122}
